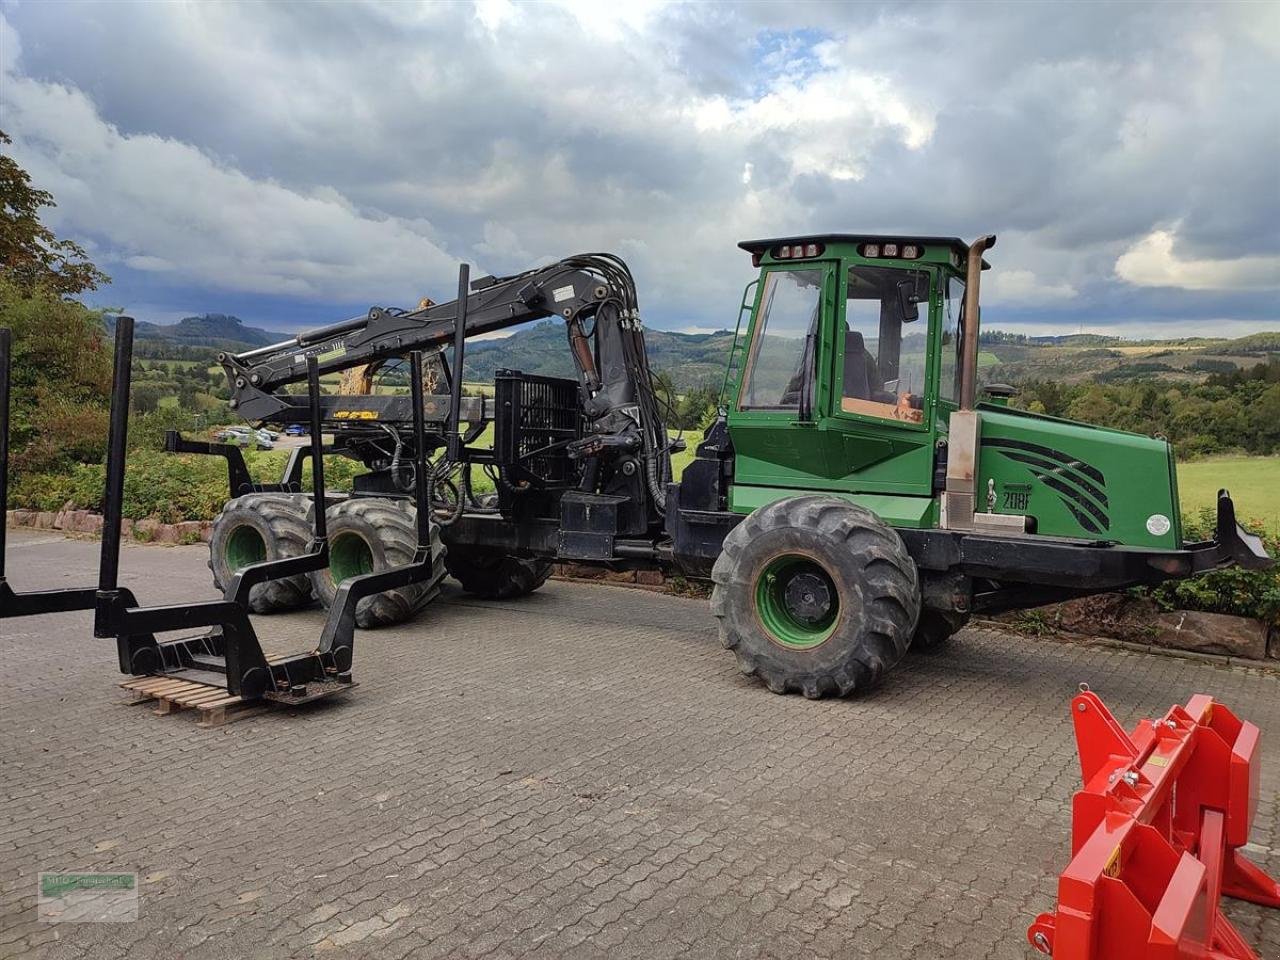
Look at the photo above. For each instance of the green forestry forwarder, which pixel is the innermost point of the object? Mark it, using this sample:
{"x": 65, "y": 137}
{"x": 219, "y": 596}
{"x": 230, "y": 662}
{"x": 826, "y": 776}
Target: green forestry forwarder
{"x": 858, "y": 495}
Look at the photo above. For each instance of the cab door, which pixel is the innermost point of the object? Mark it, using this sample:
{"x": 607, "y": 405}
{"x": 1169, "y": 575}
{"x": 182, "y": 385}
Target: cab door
{"x": 780, "y": 393}
{"x": 879, "y": 429}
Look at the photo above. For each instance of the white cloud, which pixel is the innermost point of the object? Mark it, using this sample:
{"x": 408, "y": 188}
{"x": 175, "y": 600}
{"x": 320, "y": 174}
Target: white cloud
{"x": 351, "y": 151}
{"x": 10, "y": 46}
{"x": 495, "y": 13}
{"x": 1013, "y": 286}
{"x": 615, "y": 19}
{"x": 610, "y": 22}
{"x": 503, "y": 242}
{"x": 149, "y": 264}
{"x": 163, "y": 206}
{"x": 1153, "y": 262}
{"x": 826, "y": 124}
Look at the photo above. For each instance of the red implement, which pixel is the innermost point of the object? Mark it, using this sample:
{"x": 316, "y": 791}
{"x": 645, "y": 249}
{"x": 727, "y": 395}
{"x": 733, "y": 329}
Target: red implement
{"x": 1155, "y": 838}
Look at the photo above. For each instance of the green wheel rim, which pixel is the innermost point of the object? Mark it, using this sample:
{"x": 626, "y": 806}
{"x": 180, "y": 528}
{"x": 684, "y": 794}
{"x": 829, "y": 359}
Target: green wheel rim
{"x": 245, "y": 546}
{"x": 349, "y": 556}
{"x": 797, "y": 602}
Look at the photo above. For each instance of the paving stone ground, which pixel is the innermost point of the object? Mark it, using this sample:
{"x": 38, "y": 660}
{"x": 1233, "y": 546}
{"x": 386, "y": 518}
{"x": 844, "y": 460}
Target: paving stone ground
{"x": 581, "y": 773}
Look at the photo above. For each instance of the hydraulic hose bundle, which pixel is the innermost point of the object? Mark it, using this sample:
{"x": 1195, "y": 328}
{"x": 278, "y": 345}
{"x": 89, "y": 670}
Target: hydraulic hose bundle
{"x": 636, "y": 397}
{"x": 656, "y": 447}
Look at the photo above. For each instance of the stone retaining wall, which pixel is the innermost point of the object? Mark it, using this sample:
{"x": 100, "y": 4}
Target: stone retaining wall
{"x": 1119, "y": 616}
{"x": 70, "y": 520}
{"x": 644, "y": 579}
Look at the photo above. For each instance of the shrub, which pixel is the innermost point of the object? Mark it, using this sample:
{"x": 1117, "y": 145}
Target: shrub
{"x": 1212, "y": 366}
{"x": 64, "y": 433}
{"x": 1244, "y": 593}
{"x": 160, "y": 486}
{"x": 147, "y": 430}
{"x": 61, "y": 377}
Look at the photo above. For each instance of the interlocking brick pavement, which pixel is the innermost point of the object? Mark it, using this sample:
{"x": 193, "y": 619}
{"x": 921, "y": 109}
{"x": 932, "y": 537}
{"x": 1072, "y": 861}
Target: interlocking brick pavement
{"x": 580, "y": 773}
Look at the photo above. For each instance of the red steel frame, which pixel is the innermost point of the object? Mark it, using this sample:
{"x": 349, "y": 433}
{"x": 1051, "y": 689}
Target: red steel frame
{"x": 1156, "y": 833}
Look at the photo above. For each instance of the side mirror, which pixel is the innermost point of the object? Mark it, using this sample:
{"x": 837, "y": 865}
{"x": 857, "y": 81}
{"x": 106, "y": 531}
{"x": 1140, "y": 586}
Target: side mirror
{"x": 910, "y": 295}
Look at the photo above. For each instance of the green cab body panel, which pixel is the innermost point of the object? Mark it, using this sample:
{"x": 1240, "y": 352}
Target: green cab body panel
{"x": 838, "y": 452}
{"x": 1078, "y": 480}
{"x": 831, "y": 455}
{"x": 897, "y": 511}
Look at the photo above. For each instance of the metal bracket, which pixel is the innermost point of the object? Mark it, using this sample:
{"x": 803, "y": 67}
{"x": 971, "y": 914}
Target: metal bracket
{"x": 238, "y": 480}
{"x": 229, "y": 653}
{"x": 337, "y": 641}
{"x": 34, "y": 602}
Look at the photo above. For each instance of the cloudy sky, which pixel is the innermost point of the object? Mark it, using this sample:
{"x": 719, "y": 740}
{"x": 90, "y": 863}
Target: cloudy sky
{"x": 295, "y": 164}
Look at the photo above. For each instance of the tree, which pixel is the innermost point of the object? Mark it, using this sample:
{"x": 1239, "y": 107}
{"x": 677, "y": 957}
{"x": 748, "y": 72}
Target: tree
{"x": 694, "y": 407}
{"x": 31, "y": 256}
{"x": 1267, "y": 419}
{"x": 61, "y": 378}
{"x": 146, "y": 397}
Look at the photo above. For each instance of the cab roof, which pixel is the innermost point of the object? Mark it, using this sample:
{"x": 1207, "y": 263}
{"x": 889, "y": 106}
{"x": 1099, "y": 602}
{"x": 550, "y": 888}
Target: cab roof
{"x": 952, "y": 243}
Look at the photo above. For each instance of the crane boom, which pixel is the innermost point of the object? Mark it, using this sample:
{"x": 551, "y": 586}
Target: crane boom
{"x": 564, "y": 290}
{"x": 593, "y": 294}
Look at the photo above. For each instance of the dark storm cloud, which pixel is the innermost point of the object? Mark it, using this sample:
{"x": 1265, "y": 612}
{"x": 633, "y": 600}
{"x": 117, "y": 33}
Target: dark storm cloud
{"x": 365, "y": 148}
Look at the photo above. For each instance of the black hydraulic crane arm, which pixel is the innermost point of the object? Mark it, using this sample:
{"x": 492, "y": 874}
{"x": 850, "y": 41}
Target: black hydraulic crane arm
{"x": 595, "y": 296}
{"x": 577, "y": 290}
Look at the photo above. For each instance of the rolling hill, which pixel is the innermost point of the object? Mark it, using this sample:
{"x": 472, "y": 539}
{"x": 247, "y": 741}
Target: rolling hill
{"x": 697, "y": 359}
{"x": 692, "y": 359}
{"x": 216, "y": 330}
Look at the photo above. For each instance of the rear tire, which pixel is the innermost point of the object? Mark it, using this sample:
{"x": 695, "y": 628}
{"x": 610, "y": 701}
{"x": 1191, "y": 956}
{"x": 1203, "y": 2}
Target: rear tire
{"x": 815, "y": 595}
{"x": 369, "y": 535}
{"x": 497, "y": 577}
{"x": 935, "y": 628}
{"x": 257, "y": 527}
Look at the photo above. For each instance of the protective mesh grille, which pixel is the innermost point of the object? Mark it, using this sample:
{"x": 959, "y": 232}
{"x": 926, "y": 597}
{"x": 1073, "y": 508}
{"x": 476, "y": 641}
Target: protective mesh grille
{"x": 535, "y": 418}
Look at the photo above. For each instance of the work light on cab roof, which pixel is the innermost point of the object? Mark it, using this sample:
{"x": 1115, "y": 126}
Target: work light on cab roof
{"x": 865, "y": 246}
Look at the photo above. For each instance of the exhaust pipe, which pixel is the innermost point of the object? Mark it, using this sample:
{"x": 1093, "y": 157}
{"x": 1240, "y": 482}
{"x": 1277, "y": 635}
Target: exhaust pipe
{"x": 959, "y": 505}
{"x": 969, "y": 355}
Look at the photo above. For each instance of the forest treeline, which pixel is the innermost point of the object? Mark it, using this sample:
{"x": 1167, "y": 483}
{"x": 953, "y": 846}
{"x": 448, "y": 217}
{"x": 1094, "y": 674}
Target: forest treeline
{"x": 1230, "y": 411}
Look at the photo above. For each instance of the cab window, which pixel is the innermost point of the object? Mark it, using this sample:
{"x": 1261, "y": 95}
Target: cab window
{"x": 952, "y": 327}
{"x": 782, "y": 346}
{"x": 885, "y": 351}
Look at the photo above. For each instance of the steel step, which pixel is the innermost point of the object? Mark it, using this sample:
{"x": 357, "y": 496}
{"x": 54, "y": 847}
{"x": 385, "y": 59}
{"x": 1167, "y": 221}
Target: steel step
{"x": 209, "y": 661}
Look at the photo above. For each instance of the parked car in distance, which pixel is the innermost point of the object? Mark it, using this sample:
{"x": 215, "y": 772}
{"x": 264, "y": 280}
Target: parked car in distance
{"x": 295, "y": 430}
{"x": 246, "y": 437}
{"x": 231, "y": 435}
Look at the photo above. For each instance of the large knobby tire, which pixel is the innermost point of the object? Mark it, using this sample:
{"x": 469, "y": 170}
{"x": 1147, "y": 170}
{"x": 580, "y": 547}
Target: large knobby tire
{"x": 496, "y": 577}
{"x": 815, "y": 595}
{"x": 935, "y": 628}
{"x": 257, "y": 527}
{"x": 368, "y": 535}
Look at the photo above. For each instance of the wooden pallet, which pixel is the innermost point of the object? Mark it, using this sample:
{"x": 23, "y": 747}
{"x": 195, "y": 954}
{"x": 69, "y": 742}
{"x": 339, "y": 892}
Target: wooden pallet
{"x": 214, "y": 705}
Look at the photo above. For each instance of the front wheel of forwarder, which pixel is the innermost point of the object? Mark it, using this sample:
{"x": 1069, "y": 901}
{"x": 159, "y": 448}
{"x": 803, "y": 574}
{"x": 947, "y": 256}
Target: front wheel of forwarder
{"x": 258, "y": 527}
{"x": 815, "y": 595}
{"x": 369, "y": 535}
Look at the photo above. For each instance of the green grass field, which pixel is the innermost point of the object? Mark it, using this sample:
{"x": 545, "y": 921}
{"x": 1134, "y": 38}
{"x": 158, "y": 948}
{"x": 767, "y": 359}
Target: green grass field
{"x": 1254, "y": 483}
